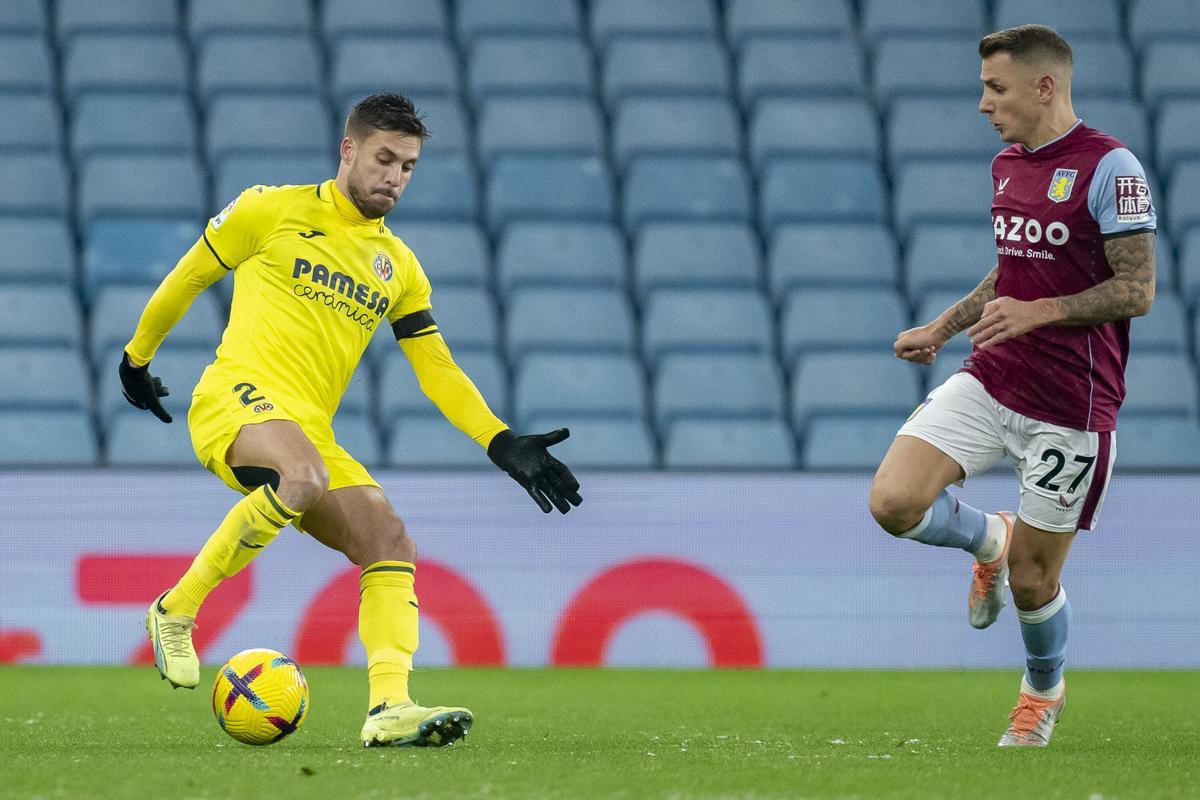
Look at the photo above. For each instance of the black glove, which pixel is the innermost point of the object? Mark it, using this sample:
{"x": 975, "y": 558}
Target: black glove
{"x": 143, "y": 389}
{"x": 528, "y": 463}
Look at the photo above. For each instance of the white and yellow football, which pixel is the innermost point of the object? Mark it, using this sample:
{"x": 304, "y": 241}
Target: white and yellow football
{"x": 260, "y": 696}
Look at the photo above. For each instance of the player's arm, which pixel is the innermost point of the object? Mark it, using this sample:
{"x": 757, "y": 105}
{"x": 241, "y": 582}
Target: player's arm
{"x": 1128, "y": 293}
{"x": 921, "y": 344}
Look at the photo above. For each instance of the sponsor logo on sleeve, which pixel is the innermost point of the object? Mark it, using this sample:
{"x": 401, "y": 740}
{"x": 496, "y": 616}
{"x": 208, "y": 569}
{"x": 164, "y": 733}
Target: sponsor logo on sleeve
{"x": 1061, "y": 185}
{"x": 1133, "y": 199}
{"x": 220, "y": 218}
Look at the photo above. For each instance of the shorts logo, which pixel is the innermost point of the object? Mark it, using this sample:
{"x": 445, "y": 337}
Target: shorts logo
{"x": 1133, "y": 199}
{"x": 1061, "y": 185}
{"x": 261, "y": 407}
{"x": 220, "y": 218}
{"x": 383, "y": 267}
{"x": 1065, "y": 504}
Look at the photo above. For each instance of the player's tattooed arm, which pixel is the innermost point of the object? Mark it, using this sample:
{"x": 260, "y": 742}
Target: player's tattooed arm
{"x": 1128, "y": 293}
{"x": 966, "y": 312}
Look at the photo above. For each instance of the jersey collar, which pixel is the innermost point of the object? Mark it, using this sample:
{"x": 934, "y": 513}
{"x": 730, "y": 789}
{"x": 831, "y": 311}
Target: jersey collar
{"x": 329, "y": 192}
{"x": 1052, "y": 142}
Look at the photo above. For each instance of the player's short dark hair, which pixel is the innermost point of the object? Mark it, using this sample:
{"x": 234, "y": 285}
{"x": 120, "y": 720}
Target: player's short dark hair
{"x": 385, "y": 112}
{"x": 1027, "y": 43}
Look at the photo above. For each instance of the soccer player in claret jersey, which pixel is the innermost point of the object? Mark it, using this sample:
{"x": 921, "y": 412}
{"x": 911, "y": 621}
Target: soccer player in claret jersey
{"x": 1074, "y": 228}
{"x": 317, "y": 272}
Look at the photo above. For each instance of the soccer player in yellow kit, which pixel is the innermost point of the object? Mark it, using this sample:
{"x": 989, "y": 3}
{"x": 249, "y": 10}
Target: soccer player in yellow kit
{"x": 317, "y": 273}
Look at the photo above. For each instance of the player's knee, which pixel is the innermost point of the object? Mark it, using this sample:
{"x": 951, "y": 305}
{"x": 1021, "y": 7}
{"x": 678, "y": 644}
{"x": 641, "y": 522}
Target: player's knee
{"x": 389, "y": 542}
{"x": 1032, "y": 585}
{"x": 894, "y": 511}
{"x": 302, "y": 484}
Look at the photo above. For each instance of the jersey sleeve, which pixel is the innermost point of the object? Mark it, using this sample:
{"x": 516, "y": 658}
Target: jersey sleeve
{"x": 237, "y": 232}
{"x": 1119, "y": 197}
{"x": 417, "y": 291}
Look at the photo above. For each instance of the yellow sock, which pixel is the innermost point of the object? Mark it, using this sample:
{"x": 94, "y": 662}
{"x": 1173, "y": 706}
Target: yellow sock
{"x": 249, "y": 526}
{"x": 387, "y": 625}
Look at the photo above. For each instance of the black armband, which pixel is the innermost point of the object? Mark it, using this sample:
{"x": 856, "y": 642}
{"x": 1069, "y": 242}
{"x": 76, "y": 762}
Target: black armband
{"x": 408, "y": 326}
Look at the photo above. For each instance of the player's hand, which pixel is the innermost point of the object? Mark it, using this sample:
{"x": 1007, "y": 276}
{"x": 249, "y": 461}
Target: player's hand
{"x": 1006, "y": 318}
{"x": 143, "y": 389}
{"x": 918, "y": 345}
{"x": 529, "y": 463}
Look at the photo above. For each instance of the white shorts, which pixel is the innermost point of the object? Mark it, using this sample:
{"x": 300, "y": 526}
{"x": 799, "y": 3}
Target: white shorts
{"x": 1064, "y": 472}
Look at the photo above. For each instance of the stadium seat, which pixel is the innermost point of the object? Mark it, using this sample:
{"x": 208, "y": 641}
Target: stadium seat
{"x": 1101, "y": 69}
{"x": 952, "y": 258}
{"x": 46, "y": 379}
{"x": 1170, "y": 70}
{"x": 237, "y": 173}
{"x": 949, "y": 361}
{"x": 854, "y": 443}
{"x": 1189, "y": 266}
{"x": 706, "y": 320}
{"x": 931, "y": 67}
{"x": 542, "y": 66}
{"x": 419, "y": 68}
{"x": 29, "y": 123}
{"x": 24, "y": 64}
{"x": 124, "y": 63}
{"x": 641, "y": 67}
{"x": 842, "y": 384}
{"x": 141, "y": 186}
{"x": 680, "y": 188}
{"x": 717, "y": 386}
{"x": 549, "y": 188}
{"x": 400, "y": 394}
{"x": 466, "y": 317}
{"x": 1176, "y": 134}
{"x": 1167, "y": 271}
{"x": 577, "y": 384}
{"x": 539, "y": 126}
{"x": 207, "y": 17}
{"x": 941, "y": 193}
{"x": 1160, "y": 385}
{"x": 452, "y": 253}
{"x": 1074, "y": 19}
{"x": 1158, "y": 20}
{"x": 49, "y": 438}
{"x": 882, "y": 19}
{"x": 1153, "y": 443}
{"x": 599, "y": 442}
{"x": 36, "y": 250}
{"x": 132, "y": 123}
{"x": 568, "y": 320}
{"x": 74, "y": 17}
{"x": 842, "y": 128}
{"x": 343, "y": 18}
{"x": 257, "y": 124}
{"x": 137, "y": 438}
{"x": 666, "y": 18}
{"x": 478, "y": 18}
{"x": 137, "y": 252}
{"x": 43, "y": 315}
{"x": 25, "y": 17}
{"x": 748, "y": 19}
{"x": 828, "y": 190}
{"x": 34, "y": 185}
{"x": 447, "y": 124}
{"x": 1120, "y": 118}
{"x": 1164, "y": 329}
{"x": 823, "y": 256}
{"x": 561, "y": 253}
{"x": 960, "y": 132}
{"x": 841, "y": 319}
{"x": 432, "y": 442}
{"x": 357, "y": 434}
{"x": 678, "y": 255}
{"x": 360, "y": 394}
{"x": 1183, "y": 201}
{"x": 731, "y": 444}
{"x": 686, "y": 126}
{"x": 257, "y": 64}
{"x": 442, "y": 188}
{"x": 791, "y": 67}
{"x": 115, "y": 311}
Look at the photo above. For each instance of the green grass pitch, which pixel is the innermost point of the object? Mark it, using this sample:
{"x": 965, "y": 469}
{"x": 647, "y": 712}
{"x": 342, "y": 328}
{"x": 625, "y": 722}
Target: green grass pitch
{"x": 541, "y": 734}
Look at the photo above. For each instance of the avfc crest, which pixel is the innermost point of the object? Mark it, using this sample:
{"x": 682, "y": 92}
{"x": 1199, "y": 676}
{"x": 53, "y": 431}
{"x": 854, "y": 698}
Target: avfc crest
{"x": 383, "y": 267}
{"x": 1061, "y": 185}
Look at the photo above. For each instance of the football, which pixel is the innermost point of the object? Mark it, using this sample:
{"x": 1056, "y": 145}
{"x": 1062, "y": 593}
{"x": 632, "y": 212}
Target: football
{"x": 260, "y": 696}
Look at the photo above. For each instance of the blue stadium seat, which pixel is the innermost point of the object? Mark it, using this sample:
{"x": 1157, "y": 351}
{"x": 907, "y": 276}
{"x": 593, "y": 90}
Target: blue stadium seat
{"x": 137, "y": 438}
{"x": 541, "y": 66}
{"x": 599, "y": 441}
{"x": 812, "y": 190}
{"x": 1122, "y": 118}
{"x": 446, "y": 121}
{"x": 133, "y": 251}
{"x": 816, "y": 320}
{"x": 822, "y": 256}
{"x": 1165, "y": 267}
{"x": 561, "y": 253}
{"x": 1157, "y": 20}
{"x": 479, "y": 18}
{"x": 952, "y": 258}
{"x": 124, "y": 63}
{"x": 691, "y": 126}
{"x": 342, "y": 18}
{"x": 207, "y": 17}
{"x": 1150, "y": 442}
{"x": 731, "y": 444}
{"x": 1183, "y": 202}
{"x": 748, "y": 19}
{"x": 432, "y": 442}
{"x": 357, "y": 434}
{"x": 141, "y": 186}
{"x": 106, "y": 123}
{"x": 236, "y": 173}
{"x": 360, "y": 394}
{"x": 940, "y": 193}
{"x": 681, "y": 255}
{"x": 46, "y": 316}
{"x": 959, "y": 133}
{"x": 930, "y": 67}
{"x": 36, "y": 250}
{"x": 1074, "y": 19}
{"x": 576, "y": 384}
{"x": 1170, "y": 70}
{"x": 883, "y": 19}
{"x": 1164, "y": 329}
{"x": 539, "y": 126}
{"x": 51, "y": 438}
{"x": 1160, "y": 385}
{"x": 845, "y": 128}
{"x": 25, "y": 17}
{"x": 639, "y": 67}
{"x": 47, "y": 379}
{"x": 557, "y": 188}
{"x": 1176, "y": 134}
{"x": 256, "y": 124}
{"x": 442, "y": 187}
{"x": 790, "y": 67}
{"x": 683, "y": 18}
{"x": 34, "y": 185}
{"x": 29, "y": 123}
{"x": 179, "y": 367}
{"x": 24, "y": 64}
{"x": 418, "y": 68}
{"x": 691, "y": 189}
{"x": 1103, "y": 68}
{"x": 717, "y": 386}
{"x": 853, "y": 443}
{"x": 844, "y": 384}
{"x": 706, "y": 320}
{"x": 949, "y": 361}
{"x": 115, "y": 311}
{"x": 466, "y": 316}
{"x": 1189, "y": 266}
{"x": 400, "y": 395}
{"x": 568, "y": 320}
{"x": 74, "y": 17}
{"x": 257, "y": 64}
{"x": 452, "y": 253}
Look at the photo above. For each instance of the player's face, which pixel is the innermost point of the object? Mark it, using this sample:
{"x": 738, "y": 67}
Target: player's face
{"x": 378, "y": 169}
{"x": 1010, "y": 97}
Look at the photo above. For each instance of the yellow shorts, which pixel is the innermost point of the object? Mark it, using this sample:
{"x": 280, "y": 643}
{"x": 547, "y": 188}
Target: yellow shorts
{"x": 219, "y": 411}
